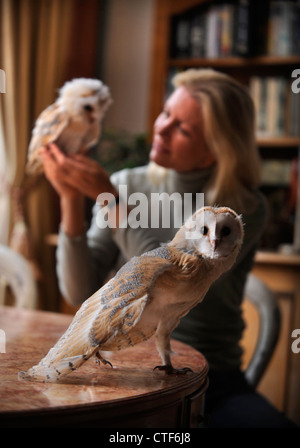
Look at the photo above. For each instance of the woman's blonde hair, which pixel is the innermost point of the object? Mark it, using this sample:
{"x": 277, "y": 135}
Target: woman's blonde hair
{"x": 229, "y": 130}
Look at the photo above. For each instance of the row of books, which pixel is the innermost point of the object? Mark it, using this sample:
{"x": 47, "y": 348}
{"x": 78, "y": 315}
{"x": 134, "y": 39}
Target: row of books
{"x": 240, "y": 28}
{"x": 280, "y": 187}
{"x": 276, "y": 172}
{"x": 277, "y": 106}
{"x": 283, "y": 36}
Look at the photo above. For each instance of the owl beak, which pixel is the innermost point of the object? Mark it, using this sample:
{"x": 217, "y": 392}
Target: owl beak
{"x": 214, "y": 243}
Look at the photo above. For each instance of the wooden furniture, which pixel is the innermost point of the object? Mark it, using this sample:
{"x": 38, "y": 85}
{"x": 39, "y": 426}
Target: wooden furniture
{"x": 239, "y": 67}
{"x": 266, "y": 304}
{"x": 129, "y": 395}
{"x": 280, "y": 383}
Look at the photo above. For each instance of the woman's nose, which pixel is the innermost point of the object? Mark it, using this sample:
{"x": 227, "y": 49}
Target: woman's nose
{"x": 163, "y": 125}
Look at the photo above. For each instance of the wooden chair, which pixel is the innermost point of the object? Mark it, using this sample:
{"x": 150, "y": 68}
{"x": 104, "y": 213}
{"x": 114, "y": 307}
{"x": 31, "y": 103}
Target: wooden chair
{"x": 266, "y": 303}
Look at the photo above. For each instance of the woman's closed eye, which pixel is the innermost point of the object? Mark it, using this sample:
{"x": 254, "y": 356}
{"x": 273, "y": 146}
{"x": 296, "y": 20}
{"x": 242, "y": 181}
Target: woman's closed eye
{"x": 178, "y": 124}
{"x": 183, "y": 130}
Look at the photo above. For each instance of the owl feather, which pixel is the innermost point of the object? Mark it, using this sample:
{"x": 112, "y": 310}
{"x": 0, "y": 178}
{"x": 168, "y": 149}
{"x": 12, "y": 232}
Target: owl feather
{"x": 148, "y": 296}
{"x": 73, "y": 121}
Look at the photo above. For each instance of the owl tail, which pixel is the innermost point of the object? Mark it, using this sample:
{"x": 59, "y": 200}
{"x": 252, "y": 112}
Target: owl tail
{"x": 47, "y": 370}
{"x": 69, "y": 353}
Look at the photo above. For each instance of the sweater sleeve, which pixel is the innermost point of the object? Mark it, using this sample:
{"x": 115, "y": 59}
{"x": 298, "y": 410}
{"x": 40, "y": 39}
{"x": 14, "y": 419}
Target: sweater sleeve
{"x": 84, "y": 262}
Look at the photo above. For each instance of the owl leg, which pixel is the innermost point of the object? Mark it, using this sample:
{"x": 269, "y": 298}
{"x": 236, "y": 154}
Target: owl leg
{"x": 162, "y": 339}
{"x": 99, "y": 359}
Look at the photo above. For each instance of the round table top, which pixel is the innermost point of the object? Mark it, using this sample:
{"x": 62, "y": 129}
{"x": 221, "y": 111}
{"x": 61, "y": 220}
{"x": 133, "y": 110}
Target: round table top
{"x": 30, "y": 334}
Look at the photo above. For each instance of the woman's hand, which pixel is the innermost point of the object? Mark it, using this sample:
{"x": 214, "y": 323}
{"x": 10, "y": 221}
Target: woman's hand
{"x": 74, "y": 177}
{"x": 56, "y": 172}
{"x": 75, "y": 174}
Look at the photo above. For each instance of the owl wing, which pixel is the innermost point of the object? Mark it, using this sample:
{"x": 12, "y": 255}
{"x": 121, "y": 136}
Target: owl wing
{"x": 47, "y": 129}
{"x": 126, "y": 296}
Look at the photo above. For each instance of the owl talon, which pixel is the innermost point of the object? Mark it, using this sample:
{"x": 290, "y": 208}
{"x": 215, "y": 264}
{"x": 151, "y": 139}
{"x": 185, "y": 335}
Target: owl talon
{"x": 99, "y": 359}
{"x": 170, "y": 370}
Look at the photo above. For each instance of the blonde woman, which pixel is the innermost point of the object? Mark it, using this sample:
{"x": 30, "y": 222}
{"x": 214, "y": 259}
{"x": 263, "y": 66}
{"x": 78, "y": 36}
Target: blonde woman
{"x": 203, "y": 142}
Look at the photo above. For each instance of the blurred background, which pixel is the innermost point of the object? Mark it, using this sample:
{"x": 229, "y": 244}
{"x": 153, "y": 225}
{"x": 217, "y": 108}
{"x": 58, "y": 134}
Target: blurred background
{"x": 135, "y": 47}
{"x": 43, "y": 44}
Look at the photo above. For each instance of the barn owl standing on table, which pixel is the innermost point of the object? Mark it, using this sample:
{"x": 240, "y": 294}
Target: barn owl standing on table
{"x": 149, "y": 295}
{"x": 73, "y": 122}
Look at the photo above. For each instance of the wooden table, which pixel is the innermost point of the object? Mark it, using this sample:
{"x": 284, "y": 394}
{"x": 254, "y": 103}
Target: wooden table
{"x": 129, "y": 395}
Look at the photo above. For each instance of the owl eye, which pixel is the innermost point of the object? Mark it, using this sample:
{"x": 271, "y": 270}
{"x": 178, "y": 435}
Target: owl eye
{"x": 225, "y": 231}
{"x": 204, "y": 230}
{"x": 88, "y": 107}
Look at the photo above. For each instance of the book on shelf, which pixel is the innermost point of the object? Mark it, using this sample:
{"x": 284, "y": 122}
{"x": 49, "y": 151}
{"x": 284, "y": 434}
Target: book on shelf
{"x": 250, "y": 27}
{"x": 277, "y": 107}
{"x": 198, "y": 36}
{"x": 281, "y": 188}
{"x": 276, "y": 172}
{"x": 180, "y": 37}
{"x": 237, "y": 28}
{"x": 283, "y": 28}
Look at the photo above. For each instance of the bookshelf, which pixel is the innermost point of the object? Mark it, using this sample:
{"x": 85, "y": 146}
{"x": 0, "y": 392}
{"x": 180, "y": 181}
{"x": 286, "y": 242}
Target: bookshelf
{"x": 280, "y": 142}
{"x": 279, "y": 270}
{"x": 261, "y": 62}
{"x": 236, "y": 61}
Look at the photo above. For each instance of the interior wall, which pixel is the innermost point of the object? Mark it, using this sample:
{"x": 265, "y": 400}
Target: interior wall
{"x": 125, "y": 65}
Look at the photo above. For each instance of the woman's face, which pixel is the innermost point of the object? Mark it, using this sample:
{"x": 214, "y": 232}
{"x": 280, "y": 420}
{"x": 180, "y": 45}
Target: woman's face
{"x": 178, "y": 141}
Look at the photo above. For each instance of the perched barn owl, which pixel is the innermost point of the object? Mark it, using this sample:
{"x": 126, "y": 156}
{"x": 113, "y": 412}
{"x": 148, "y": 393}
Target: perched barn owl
{"x": 73, "y": 121}
{"x": 149, "y": 295}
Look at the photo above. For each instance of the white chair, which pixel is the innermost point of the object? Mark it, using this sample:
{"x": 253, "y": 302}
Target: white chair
{"x": 266, "y": 303}
{"x": 15, "y": 272}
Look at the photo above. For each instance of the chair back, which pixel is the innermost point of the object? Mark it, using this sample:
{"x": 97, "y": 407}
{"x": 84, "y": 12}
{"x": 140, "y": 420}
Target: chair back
{"x": 266, "y": 303}
{"x": 16, "y": 272}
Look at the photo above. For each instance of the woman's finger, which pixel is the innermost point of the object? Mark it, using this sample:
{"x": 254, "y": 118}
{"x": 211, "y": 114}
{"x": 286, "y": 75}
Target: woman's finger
{"x": 57, "y": 154}
{"x": 46, "y": 156}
